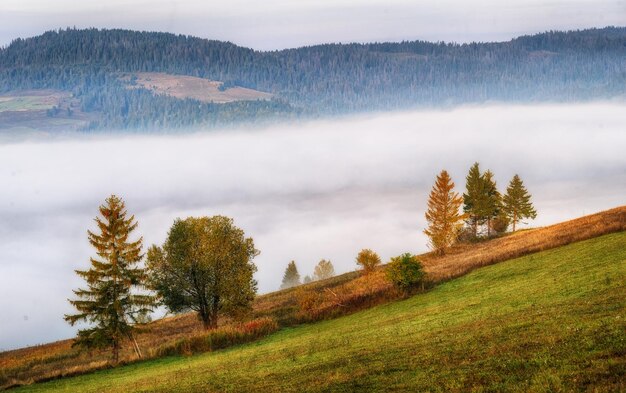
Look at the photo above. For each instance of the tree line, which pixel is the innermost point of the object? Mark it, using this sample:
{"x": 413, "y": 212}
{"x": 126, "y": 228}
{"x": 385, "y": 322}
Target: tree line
{"x": 314, "y": 80}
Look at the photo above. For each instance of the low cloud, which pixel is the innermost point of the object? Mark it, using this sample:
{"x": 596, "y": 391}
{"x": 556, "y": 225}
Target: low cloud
{"x": 303, "y": 192}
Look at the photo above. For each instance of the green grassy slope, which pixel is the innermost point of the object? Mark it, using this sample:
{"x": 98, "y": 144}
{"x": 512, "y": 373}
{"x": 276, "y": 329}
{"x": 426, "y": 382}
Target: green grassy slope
{"x": 552, "y": 321}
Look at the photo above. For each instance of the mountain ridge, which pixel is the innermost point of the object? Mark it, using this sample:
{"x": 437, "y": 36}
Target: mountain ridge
{"x": 319, "y": 80}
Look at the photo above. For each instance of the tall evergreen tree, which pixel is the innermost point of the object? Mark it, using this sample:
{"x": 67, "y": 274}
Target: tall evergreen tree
{"x": 291, "y": 278}
{"x": 111, "y": 300}
{"x": 474, "y": 198}
{"x": 493, "y": 199}
{"x": 443, "y": 215}
{"x": 516, "y": 202}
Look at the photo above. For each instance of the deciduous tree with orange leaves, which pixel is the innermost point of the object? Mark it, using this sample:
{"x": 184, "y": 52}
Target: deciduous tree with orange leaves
{"x": 443, "y": 214}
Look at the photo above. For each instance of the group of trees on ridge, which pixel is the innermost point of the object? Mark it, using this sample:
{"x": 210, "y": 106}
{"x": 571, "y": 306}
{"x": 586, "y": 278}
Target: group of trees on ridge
{"x": 484, "y": 209}
{"x": 367, "y": 259}
{"x": 206, "y": 264}
{"x": 314, "y": 80}
{"x": 485, "y": 212}
{"x": 323, "y": 270}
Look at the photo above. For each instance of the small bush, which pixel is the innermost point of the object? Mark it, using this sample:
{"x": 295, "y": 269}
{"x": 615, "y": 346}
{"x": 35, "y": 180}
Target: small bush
{"x": 500, "y": 224}
{"x": 466, "y": 236}
{"x": 368, "y": 260}
{"x": 406, "y": 272}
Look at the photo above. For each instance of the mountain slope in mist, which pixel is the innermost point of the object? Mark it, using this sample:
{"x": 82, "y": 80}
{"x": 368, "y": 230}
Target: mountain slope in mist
{"x": 309, "y": 81}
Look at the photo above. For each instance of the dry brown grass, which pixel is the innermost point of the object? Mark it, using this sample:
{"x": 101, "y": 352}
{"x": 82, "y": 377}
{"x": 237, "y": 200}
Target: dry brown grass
{"x": 326, "y": 299}
{"x": 183, "y": 86}
{"x": 357, "y": 294}
{"x": 464, "y": 258}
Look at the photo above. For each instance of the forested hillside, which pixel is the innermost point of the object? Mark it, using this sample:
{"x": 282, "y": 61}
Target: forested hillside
{"x": 312, "y": 81}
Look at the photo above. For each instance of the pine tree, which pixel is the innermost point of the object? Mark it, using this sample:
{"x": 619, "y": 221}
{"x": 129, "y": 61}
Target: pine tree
{"x": 111, "y": 300}
{"x": 323, "y": 270}
{"x": 516, "y": 202}
{"x": 474, "y": 198}
{"x": 493, "y": 200}
{"x": 307, "y": 279}
{"x": 291, "y": 278}
{"x": 443, "y": 216}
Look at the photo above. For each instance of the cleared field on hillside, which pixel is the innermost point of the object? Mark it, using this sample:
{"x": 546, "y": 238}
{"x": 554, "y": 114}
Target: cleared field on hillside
{"x": 25, "y": 112}
{"x": 183, "y": 86}
{"x": 553, "y": 321}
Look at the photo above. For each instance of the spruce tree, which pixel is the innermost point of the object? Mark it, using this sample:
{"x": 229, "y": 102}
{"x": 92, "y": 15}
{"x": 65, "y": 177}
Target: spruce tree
{"x": 291, "y": 278}
{"x": 443, "y": 216}
{"x": 111, "y": 300}
{"x": 516, "y": 202}
{"x": 474, "y": 198}
{"x": 493, "y": 200}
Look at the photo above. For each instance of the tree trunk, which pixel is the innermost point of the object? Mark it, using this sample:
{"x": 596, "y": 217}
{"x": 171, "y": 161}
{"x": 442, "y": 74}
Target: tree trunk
{"x": 209, "y": 318}
{"x": 206, "y": 318}
{"x": 116, "y": 352}
{"x": 214, "y": 310}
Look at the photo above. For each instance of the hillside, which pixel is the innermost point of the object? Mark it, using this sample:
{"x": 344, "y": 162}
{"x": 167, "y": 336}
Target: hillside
{"x": 333, "y": 297}
{"x": 552, "y": 321}
{"x": 41, "y": 110}
{"x": 310, "y": 81}
{"x": 181, "y": 86}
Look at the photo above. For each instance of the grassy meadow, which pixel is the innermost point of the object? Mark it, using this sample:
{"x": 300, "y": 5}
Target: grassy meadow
{"x": 320, "y": 300}
{"x": 24, "y": 113}
{"x": 551, "y": 321}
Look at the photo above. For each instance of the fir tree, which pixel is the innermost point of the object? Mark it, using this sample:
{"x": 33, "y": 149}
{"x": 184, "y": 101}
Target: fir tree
{"x": 474, "y": 198}
{"x": 307, "y": 279}
{"x": 291, "y": 278}
{"x": 516, "y": 202}
{"x": 111, "y": 300}
{"x": 493, "y": 200}
{"x": 323, "y": 270}
{"x": 443, "y": 216}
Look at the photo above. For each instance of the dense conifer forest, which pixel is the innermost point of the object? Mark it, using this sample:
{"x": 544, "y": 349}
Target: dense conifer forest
{"x": 311, "y": 81}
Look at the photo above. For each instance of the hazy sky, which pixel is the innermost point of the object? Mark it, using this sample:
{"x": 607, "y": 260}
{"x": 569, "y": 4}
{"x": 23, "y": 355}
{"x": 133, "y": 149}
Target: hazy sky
{"x": 276, "y": 24}
{"x": 318, "y": 190}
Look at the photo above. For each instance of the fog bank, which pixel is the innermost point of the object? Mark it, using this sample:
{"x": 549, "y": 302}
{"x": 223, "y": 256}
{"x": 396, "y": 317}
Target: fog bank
{"x": 303, "y": 192}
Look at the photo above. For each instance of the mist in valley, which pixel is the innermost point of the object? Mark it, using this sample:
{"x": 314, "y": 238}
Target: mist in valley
{"x": 323, "y": 189}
